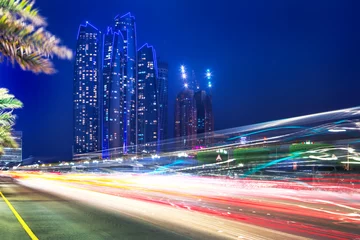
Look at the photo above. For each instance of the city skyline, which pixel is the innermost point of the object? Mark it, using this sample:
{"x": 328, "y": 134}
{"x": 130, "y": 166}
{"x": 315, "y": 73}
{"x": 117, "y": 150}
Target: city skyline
{"x": 179, "y": 120}
{"x": 120, "y": 101}
{"x": 257, "y": 66}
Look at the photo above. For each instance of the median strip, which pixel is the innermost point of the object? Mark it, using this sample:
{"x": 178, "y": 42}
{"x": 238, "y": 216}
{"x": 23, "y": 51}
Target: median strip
{"x": 19, "y": 218}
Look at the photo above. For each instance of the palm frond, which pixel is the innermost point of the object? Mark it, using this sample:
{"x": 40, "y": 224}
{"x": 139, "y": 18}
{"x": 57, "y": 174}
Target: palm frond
{"x": 7, "y": 104}
{"x": 24, "y": 40}
{"x": 8, "y": 101}
{"x": 6, "y": 140}
{"x": 24, "y": 9}
{"x": 7, "y": 119}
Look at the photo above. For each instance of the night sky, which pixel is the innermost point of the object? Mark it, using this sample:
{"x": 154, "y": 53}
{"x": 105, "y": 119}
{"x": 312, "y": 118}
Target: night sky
{"x": 270, "y": 59}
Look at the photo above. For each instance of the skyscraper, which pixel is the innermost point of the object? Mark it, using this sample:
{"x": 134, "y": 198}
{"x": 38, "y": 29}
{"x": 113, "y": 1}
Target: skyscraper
{"x": 126, "y": 25}
{"x": 204, "y": 117}
{"x": 163, "y": 85}
{"x": 185, "y": 119}
{"x": 86, "y": 90}
{"x": 112, "y": 97}
{"x": 148, "y": 114}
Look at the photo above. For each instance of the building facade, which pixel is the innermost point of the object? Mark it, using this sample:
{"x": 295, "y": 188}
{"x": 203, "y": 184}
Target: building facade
{"x": 86, "y": 109}
{"x": 126, "y": 25}
{"x": 163, "y": 85}
{"x": 204, "y": 118}
{"x": 112, "y": 92}
{"x": 185, "y": 119}
{"x": 12, "y": 156}
{"x": 148, "y": 107}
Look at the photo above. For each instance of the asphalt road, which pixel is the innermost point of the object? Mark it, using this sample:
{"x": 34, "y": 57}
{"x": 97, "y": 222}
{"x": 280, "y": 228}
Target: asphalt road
{"x": 80, "y": 206}
{"x": 51, "y": 217}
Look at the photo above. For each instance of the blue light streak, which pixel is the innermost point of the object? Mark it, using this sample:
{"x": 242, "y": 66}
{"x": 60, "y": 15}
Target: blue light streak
{"x": 265, "y": 130}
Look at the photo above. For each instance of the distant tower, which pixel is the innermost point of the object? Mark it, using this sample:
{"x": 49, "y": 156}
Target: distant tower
{"x": 185, "y": 115}
{"x": 163, "y": 85}
{"x": 185, "y": 119}
{"x": 204, "y": 118}
{"x": 113, "y": 92}
{"x": 86, "y": 90}
{"x": 148, "y": 107}
{"x": 209, "y": 115}
{"x": 126, "y": 25}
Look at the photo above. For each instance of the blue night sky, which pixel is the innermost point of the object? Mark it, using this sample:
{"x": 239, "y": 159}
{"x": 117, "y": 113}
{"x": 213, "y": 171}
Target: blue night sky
{"x": 270, "y": 58}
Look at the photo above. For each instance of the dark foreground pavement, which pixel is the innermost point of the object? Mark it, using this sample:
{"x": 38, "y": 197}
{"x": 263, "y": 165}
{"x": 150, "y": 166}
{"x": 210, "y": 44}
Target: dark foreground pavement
{"x": 51, "y": 217}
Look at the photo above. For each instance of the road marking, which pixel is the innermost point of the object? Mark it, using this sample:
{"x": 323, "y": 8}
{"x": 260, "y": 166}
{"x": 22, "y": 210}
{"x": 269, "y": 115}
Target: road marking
{"x": 19, "y": 218}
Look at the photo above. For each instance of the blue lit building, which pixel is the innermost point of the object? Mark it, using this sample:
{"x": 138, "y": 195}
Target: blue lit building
{"x": 126, "y": 25}
{"x": 163, "y": 85}
{"x": 112, "y": 92}
{"x": 86, "y": 90}
{"x": 147, "y": 88}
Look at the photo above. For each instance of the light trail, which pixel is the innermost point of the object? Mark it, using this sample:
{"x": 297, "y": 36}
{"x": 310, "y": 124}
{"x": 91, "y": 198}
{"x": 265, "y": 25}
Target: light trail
{"x": 300, "y": 180}
{"x": 270, "y": 204}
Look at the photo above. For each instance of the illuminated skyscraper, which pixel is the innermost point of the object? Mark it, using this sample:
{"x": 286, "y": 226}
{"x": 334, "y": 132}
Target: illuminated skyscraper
{"x": 113, "y": 92}
{"x": 86, "y": 90}
{"x": 163, "y": 84}
{"x": 148, "y": 114}
{"x": 126, "y": 25}
{"x": 204, "y": 117}
{"x": 185, "y": 119}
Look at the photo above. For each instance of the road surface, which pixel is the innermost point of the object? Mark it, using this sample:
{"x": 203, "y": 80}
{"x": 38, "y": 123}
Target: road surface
{"x": 93, "y": 206}
{"x": 53, "y": 217}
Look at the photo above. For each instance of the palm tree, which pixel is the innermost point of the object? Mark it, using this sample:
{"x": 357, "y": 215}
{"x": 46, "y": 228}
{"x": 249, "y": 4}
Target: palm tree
{"x": 24, "y": 40}
{"x": 7, "y": 104}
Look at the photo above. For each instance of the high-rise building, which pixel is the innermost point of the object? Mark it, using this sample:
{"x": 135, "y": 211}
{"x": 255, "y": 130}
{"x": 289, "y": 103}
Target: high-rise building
{"x": 112, "y": 92}
{"x": 204, "y": 118}
{"x": 86, "y": 90}
{"x": 12, "y": 156}
{"x": 147, "y": 87}
{"x": 185, "y": 119}
{"x": 126, "y": 25}
{"x": 163, "y": 85}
